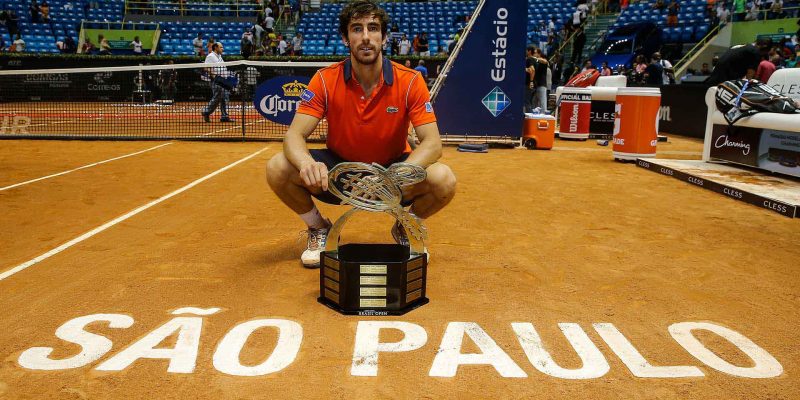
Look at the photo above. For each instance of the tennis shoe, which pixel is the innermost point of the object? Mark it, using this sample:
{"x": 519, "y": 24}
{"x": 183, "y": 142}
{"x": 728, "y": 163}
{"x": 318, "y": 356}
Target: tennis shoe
{"x": 225, "y": 119}
{"x": 206, "y": 117}
{"x": 316, "y": 245}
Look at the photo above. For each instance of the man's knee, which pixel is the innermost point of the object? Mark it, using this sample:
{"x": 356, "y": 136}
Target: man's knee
{"x": 442, "y": 180}
{"x": 279, "y": 170}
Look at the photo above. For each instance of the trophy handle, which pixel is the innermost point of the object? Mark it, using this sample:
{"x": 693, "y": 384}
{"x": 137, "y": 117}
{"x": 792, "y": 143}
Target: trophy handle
{"x": 416, "y": 245}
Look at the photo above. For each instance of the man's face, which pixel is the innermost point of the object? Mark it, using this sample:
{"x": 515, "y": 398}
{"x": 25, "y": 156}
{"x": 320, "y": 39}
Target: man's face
{"x": 365, "y": 39}
{"x": 220, "y": 49}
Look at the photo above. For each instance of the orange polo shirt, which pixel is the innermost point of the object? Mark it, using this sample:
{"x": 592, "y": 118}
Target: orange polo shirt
{"x": 368, "y": 129}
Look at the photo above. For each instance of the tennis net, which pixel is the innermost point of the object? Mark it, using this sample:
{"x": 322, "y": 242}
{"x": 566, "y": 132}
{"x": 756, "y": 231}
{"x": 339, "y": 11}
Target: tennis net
{"x": 155, "y": 101}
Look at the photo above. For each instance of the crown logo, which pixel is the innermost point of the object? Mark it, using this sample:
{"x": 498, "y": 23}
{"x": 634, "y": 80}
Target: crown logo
{"x": 294, "y": 89}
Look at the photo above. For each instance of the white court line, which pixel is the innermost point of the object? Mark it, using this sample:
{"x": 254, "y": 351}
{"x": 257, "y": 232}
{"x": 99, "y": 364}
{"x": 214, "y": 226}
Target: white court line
{"x": 235, "y": 127}
{"x": 83, "y": 167}
{"x": 119, "y": 219}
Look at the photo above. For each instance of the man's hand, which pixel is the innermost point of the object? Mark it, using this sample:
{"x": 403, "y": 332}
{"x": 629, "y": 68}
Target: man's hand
{"x": 314, "y": 174}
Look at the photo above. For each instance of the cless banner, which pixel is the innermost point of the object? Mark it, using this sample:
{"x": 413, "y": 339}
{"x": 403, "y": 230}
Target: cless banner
{"x": 483, "y": 94}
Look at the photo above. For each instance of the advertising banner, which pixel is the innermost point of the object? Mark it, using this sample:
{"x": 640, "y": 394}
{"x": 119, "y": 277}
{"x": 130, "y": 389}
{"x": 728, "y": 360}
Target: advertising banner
{"x": 771, "y": 150}
{"x": 483, "y": 94}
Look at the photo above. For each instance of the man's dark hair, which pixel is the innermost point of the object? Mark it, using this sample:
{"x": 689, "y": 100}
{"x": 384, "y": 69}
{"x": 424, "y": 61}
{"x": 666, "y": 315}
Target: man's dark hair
{"x": 359, "y": 9}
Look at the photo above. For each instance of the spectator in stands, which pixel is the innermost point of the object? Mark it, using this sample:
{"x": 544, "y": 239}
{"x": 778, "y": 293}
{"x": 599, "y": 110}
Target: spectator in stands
{"x": 12, "y": 24}
{"x": 197, "y": 43}
{"x": 137, "y": 46}
{"x": 18, "y": 45}
{"x": 424, "y": 48}
{"x": 723, "y": 14}
{"x": 69, "y": 44}
{"x": 587, "y": 65}
{"x": 258, "y": 33}
{"x": 297, "y": 44}
{"x": 765, "y": 69}
{"x": 45, "y": 9}
{"x": 639, "y": 67}
{"x": 672, "y": 13}
{"x": 752, "y": 14}
{"x": 272, "y": 43}
{"x": 604, "y": 69}
{"x": 275, "y": 11}
{"x": 415, "y": 44}
{"x": 405, "y": 45}
{"x": 282, "y": 45}
{"x": 739, "y": 10}
{"x": 776, "y": 10}
{"x": 105, "y": 47}
{"x": 576, "y": 19}
{"x": 246, "y": 44}
{"x": 704, "y": 70}
{"x": 422, "y": 69}
{"x": 583, "y": 8}
{"x": 269, "y": 24}
{"x": 35, "y": 11}
{"x": 210, "y": 45}
{"x": 659, "y": 5}
{"x": 666, "y": 68}
{"x": 577, "y": 45}
{"x": 792, "y": 61}
{"x": 654, "y": 74}
{"x": 219, "y": 93}
{"x": 88, "y": 46}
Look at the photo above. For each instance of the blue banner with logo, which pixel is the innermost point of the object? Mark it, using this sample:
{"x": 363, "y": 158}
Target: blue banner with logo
{"x": 278, "y": 98}
{"x": 483, "y": 94}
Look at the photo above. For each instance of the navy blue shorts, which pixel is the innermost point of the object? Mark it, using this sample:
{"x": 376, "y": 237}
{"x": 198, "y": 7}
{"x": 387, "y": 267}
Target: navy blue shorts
{"x": 330, "y": 159}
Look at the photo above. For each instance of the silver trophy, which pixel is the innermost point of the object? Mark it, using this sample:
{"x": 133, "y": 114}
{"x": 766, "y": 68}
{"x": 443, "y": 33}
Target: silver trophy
{"x": 374, "y": 279}
{"x": 375, "y": 188}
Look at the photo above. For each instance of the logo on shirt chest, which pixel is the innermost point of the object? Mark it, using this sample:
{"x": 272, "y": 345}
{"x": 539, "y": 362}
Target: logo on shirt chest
{"x": 392, "y": 110}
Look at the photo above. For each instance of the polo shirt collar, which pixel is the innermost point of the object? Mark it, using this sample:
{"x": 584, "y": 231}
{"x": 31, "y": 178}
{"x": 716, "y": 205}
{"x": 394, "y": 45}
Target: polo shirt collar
{"x": 388, "y": 73}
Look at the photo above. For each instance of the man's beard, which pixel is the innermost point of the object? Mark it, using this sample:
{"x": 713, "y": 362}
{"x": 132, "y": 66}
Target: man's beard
{"x": 363, "y": 59}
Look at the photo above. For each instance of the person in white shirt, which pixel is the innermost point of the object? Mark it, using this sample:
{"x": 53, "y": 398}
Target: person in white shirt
{"x": 297, "y": 44}
{"x": 405, "y": 45}
{"x": 219, "y": 94}
{"x": 722, "y": 13}
{"x": 282, "y": 45}
{"x": 269, "y": 23}
{"x": 19, "y": 44}
{"x": 137, "y": 46}
{"x": 258, "y": 33}
{"x": 584, "y": 10}
{"x": 197, "y": 43}
{"x": 576, "y": 18}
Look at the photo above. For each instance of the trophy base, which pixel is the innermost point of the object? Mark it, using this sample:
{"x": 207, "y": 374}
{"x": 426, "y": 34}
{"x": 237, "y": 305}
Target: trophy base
{"x": 373, "y": 279}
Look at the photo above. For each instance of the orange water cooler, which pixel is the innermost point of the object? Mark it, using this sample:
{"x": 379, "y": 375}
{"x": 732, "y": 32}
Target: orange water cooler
{"x": 539, "y": 131}
{"x": 636, "y": 123}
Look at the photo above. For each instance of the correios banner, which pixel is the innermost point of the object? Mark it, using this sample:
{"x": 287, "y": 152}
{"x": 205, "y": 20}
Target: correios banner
{"x": 483, "y": 94}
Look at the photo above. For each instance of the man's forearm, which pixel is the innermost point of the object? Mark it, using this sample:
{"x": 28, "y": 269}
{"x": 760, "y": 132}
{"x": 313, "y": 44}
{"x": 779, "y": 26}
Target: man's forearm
{"x": 296, "y": 151}
{"x": 427, "y": 153}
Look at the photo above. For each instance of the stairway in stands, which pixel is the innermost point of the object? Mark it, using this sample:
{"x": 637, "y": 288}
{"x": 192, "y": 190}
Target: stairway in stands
{"x": 596, "y": 29}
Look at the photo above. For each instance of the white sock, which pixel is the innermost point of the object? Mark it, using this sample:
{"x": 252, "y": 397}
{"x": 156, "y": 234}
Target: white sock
{"x": 314, "y": 219}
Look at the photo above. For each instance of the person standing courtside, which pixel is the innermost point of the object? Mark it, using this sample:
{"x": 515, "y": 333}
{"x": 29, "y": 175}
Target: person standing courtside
{"x": 219, "y": 94}
{"x": 369, "y": 102}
